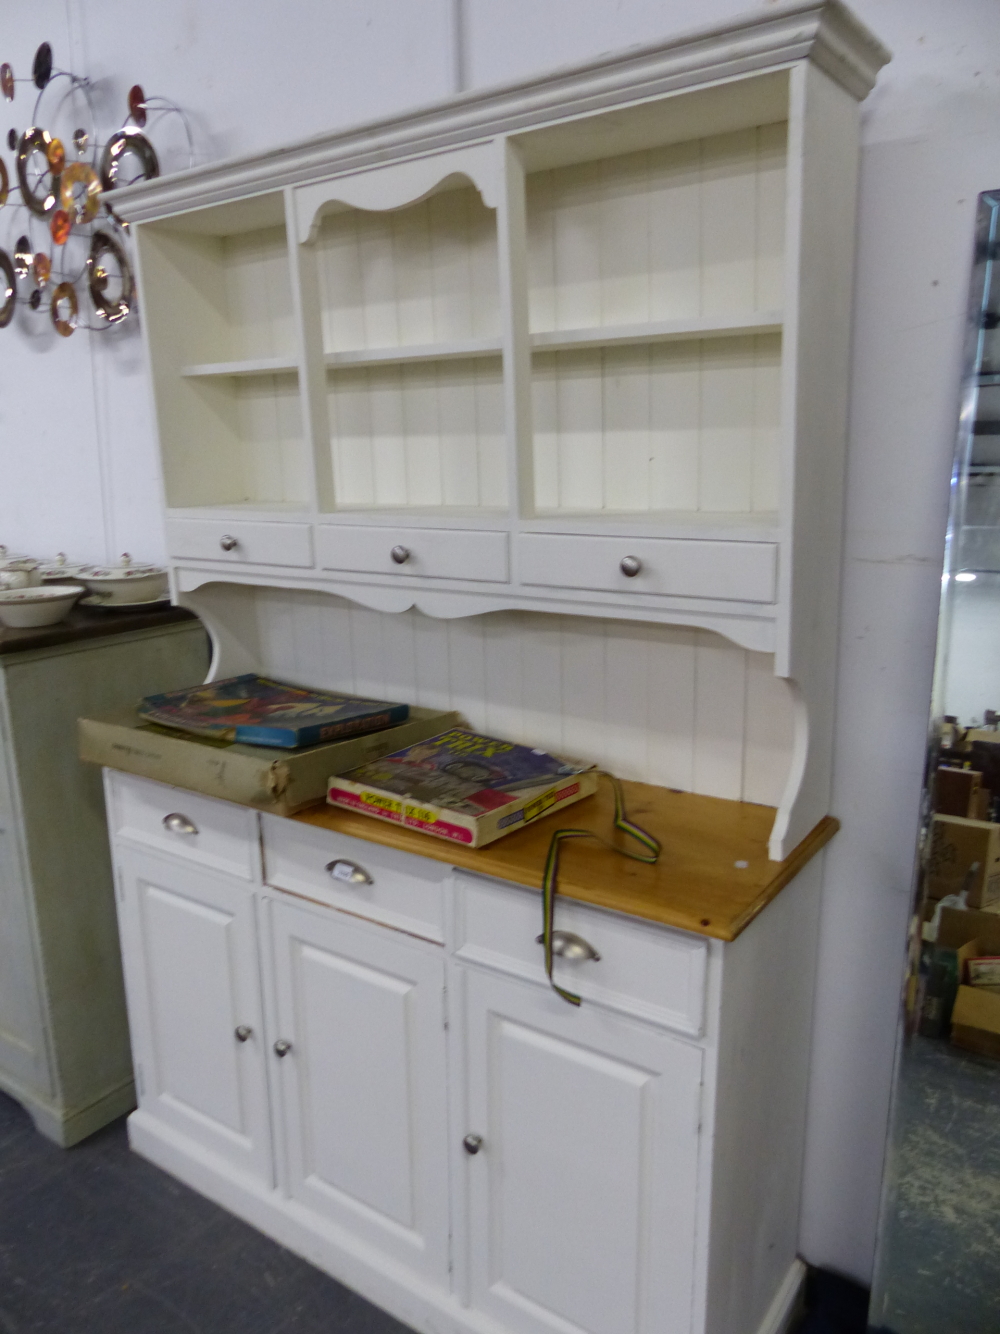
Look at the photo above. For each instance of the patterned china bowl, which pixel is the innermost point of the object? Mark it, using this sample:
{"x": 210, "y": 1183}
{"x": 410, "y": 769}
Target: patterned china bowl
{"x": 28, "y": 608}
{"x": 125, "y": 582}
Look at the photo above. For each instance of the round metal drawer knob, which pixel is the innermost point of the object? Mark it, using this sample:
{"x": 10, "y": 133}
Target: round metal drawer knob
{"x": 244, "y": 1033}
{"x": 472, "y": 1143}
{"x": 630, "y": 566}
{"x": 228, "y": 543}
{"x": 400, "y": 555}
{"x": 282, "y": 1047}
{"x": 176, "y": 823}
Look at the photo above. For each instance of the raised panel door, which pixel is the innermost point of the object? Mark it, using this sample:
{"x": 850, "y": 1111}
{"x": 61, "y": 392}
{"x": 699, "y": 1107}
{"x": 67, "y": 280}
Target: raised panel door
{"x": 195, "y": 1011}
{"x": 581, "y": 1197}
{"x": 362, "y": 1084}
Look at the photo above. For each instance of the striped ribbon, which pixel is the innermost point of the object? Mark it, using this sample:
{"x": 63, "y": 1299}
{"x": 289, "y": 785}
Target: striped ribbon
{"x": 549, "y": 879}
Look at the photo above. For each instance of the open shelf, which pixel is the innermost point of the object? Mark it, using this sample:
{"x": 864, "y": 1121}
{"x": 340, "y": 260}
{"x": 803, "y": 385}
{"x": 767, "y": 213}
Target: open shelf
{"x": 380, "y": 356}
{"x": 410, "y": 277}
{"x": 251, "y": 366}
{"x": 224, "y": 280}
{"x": 652, "y": 427}
{"x": 688, "y": 231}
{"x": 425, "y": 434}
{"x": 235, "y": 440}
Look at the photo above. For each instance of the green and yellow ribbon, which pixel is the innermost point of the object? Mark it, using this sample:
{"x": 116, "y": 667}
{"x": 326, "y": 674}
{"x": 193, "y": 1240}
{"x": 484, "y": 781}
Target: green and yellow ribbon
{"x": 550, "y": 877}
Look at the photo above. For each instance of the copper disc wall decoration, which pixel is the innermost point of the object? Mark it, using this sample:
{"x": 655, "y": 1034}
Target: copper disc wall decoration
{"x": 60, "y": 226}
{"x": 65, "y": 294}
{"x": 22, "y": 257}
{"x": 9, "y": 288}
{"x": 122, "y": 144}
{"x": 41, "y": 199}
{"x": 41, "y": 267}
{"x": 4, "y": 183}
{"x": 7, "y": 82}
{"x": 113, "y": 312}
{"x": 41, "y": 70}
{"x": 82, "y": 208}
{"x": 57, "y": 156}
{"x": 137, "y": 104}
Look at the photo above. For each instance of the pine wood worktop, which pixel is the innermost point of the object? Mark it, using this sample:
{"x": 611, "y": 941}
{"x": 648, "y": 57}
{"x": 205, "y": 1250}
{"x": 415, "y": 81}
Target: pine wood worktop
{"x": 696, "y": 884}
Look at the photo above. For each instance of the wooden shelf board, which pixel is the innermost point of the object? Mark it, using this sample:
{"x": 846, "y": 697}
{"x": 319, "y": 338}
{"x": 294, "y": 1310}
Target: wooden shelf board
{"x": 657, "y": 331}
{"x": 252, "y": 366}
{"x": 695, "y": 886}
{"x": 380, "y": 356}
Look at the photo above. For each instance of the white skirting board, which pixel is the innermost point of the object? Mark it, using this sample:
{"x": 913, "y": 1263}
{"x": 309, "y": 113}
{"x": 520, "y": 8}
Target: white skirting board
{"x": 401, "y": 1293}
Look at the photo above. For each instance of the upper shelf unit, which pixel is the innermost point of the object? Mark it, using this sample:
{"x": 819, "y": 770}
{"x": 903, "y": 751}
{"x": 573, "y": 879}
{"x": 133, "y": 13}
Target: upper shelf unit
{"x": 612, "y": 304}
{"x": 577, "y": 345}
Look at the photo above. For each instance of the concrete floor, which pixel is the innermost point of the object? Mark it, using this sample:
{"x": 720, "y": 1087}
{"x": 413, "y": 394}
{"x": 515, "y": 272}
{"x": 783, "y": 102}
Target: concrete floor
{"x": 938, "y": 1271}
{"x": 94, "y": 1240}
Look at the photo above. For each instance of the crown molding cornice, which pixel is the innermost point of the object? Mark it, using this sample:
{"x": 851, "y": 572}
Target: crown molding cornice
{"x": 827, "y": 33}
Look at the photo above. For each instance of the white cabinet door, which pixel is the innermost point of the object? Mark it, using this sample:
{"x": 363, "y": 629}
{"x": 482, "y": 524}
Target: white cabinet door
{"x": 193, "y": 982}
{"x": 362, "y": 1085}
{"x": 581, "y": 1198}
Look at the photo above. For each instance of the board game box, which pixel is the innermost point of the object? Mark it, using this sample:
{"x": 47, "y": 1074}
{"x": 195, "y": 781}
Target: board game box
{"x": 258, "y": 711}
{"x": 463, "y": 786}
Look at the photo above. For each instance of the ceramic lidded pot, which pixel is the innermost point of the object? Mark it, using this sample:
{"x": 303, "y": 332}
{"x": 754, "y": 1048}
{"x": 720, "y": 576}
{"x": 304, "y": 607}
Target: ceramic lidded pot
{"x": 58, "y": 570}
{"x": 19, "y": 572}
{"x": 124, "y": 582}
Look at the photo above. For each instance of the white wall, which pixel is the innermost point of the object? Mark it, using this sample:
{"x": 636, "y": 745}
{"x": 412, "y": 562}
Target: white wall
{"x": 76, "y": 454}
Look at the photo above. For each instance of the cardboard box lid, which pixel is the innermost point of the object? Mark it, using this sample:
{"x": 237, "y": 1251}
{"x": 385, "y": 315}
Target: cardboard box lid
{"x": 958, "y": 927}
{"x": 977, "y": 1008}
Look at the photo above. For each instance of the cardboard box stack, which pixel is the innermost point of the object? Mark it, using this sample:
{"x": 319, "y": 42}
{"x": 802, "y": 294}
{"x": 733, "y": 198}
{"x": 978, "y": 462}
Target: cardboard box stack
{"x": 958, "y": 845}
{"x": 975, "y": 1015}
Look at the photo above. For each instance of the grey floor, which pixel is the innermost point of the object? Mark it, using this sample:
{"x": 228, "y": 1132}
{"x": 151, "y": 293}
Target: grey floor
{"x": 939, "y": 1267}
{"x": 93, "y": 1240}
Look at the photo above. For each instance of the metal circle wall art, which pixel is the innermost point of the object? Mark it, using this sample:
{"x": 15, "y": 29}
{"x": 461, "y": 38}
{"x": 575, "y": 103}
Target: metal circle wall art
{"x": 128, "y": 143}
{"x": 39, "y": 194}
{"x": 64, "y": 296}
{"x": 70, "y": 256}
{"x": 112, "y": 309}
{"x": 9, "y": 289}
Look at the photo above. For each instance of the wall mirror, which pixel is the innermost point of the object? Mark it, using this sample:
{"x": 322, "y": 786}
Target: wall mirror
{"x": 937, "y": 1267}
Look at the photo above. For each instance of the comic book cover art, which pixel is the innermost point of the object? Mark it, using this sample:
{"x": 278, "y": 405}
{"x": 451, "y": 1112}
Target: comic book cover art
{"x": 463, "y": 786}
{"x": 258, "y": 711}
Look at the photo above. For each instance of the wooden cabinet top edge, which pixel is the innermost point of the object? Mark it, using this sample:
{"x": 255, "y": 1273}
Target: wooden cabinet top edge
{"x": 713, "y": 876}
{"x": 827, "y": 32}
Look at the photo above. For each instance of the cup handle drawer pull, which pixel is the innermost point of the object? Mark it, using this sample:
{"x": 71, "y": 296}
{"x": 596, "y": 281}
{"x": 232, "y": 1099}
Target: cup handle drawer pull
{"x": 568, "y": 945}
{"x": 400, "y": 555}
{"x": 630, "y": 566}
{"x": 175, "y": 823}
{"x": 351, "y": 873}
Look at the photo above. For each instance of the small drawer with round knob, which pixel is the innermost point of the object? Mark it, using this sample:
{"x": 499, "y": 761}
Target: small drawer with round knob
{"x": 240, "y": 542}
{"x": 216, "y": 834}
{"x": 706, "y": 569}
{"x": 429, "y": 553}
{"x": 366, "y": 879}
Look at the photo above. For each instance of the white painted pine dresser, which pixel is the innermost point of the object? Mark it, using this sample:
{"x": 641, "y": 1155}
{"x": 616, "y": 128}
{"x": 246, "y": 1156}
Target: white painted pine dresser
{"x": 573, "y": 351}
